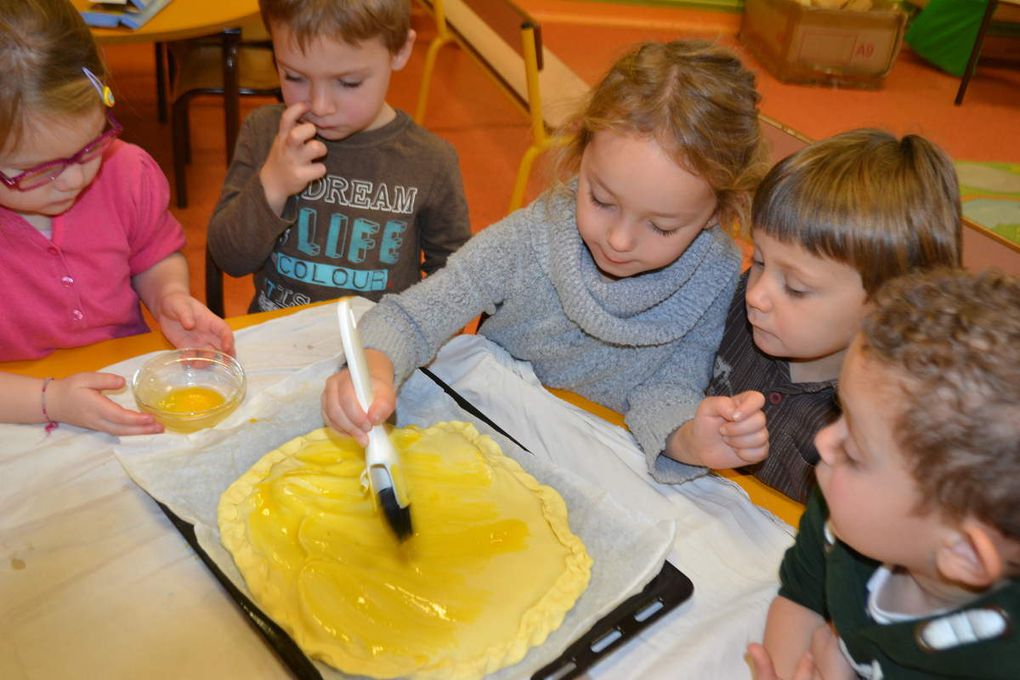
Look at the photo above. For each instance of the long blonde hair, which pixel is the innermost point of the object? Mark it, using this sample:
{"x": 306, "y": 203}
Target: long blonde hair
{"x": 696, "y": 100}
{"x": 44, "y": 44}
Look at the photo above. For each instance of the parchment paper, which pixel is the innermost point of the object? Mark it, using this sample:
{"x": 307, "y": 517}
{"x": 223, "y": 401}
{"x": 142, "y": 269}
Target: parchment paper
{"x": 189, "y": 472}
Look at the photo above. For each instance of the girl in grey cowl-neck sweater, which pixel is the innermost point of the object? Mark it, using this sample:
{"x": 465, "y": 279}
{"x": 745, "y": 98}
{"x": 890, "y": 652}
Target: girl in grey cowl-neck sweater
{"x": 640, "y": 341}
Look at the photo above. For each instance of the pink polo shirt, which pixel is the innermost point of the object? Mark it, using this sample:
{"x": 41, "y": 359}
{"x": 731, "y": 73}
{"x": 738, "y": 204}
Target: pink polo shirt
{"x": 75, "y": 288}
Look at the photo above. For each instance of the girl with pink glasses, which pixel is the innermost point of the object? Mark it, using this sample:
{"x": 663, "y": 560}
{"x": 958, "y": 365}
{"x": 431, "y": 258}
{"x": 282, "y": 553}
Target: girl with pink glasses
{"x": 85, "y": 233}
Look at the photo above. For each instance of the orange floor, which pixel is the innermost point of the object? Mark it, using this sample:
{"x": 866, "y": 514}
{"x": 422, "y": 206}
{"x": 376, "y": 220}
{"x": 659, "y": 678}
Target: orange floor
{"x": 490, "y": 133}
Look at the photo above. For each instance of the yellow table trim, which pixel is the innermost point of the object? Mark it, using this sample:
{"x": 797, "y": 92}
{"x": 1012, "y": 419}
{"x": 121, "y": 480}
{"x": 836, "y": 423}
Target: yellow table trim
{"x": 64, "y": 362}
{"x": 94, "y": 357}
{"x": 784, "y": 507}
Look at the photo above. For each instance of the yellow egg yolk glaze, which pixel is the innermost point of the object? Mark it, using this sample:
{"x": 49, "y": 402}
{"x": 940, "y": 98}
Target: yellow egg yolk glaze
{"x": 188, "y": 409}
{"x": 190, "y": 400}
{"x": 490, "y": 570}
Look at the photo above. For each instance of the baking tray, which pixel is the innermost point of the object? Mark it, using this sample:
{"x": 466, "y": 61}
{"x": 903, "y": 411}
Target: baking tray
{"x": 659, "y": 596}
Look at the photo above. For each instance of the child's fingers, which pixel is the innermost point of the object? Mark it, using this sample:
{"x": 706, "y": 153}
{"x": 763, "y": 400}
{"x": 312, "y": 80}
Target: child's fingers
{"x": 761, "y": 662}
{"x": 312, "y": 150}
{"x": 134, "y": 430}
{"x": 301, "y": 136}
{"x": 805, "y": 668}
{"x": 313, "y": 172}
{"x": 122, "y": 422}
{"x": 218, "y": 332}
{"x": 227, "y": 345}
{"x": 749, "y": 449}
{"x": 716, "y": 407}
{"x": 130, "y": 430}
{"x": 306, "y": 171}
{"x": 291, "y": 115}
{"x": 99, "y": 381}
{"x": 86, "y": 406}
{"x": 747, "y": 402}
{"x": 754, "y": 422}
{"x": 186, "y": 317}
{"x": 341, "y": 410}
{"x": 382, "y": 407}
{"x": 334, "y": 416}
{"x": 755, "y": 438}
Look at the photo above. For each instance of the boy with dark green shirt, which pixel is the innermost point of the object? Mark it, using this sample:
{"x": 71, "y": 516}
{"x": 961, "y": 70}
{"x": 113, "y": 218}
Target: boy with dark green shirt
{"x": 908, "y": 567}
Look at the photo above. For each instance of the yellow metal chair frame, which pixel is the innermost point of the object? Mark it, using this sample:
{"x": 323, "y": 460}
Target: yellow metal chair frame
{"x": 502, "y": 16}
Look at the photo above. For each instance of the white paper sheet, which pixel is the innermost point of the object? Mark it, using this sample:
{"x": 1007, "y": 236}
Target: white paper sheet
{"x": 95, "y": 575}
{"x": 729, "y": 547}
{"x": 189, "y": 472}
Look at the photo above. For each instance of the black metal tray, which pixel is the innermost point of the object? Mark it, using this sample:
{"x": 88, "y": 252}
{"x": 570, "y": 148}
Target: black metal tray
{"x": 662, "y": 594}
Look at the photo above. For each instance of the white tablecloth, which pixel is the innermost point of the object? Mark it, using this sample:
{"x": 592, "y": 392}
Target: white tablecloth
{"x": 95, "y": 582}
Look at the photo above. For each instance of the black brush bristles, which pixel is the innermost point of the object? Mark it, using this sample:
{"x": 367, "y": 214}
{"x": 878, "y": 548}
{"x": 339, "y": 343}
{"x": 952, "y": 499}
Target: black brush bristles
{"x": 397, "y": 517}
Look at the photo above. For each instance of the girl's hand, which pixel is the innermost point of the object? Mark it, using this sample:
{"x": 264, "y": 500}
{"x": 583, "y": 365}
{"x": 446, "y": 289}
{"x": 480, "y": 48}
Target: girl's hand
{"x": 78, "y": 400}
{"x": 291, "y": 164}
{"x": 186, "y": 322}
{"x": 340, "y": 407}
{"x": 727, "y": 432}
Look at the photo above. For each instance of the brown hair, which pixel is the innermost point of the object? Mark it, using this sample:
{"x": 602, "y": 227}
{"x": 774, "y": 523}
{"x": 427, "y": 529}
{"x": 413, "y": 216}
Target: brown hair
{"x": 696, "y": 100}
{"x": 350, "y": 21}
{"x": 44, "y": 44}
{"x": 881, "y": 205}
{"x": 955, "y": 339}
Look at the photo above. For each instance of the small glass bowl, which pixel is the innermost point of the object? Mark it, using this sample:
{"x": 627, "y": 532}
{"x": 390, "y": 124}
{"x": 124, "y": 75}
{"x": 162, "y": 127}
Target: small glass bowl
{"x": 189, "y": 389}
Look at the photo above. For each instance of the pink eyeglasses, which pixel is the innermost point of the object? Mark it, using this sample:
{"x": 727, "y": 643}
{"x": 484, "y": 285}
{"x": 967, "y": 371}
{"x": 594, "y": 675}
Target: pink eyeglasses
{"x": 44, "y": 173}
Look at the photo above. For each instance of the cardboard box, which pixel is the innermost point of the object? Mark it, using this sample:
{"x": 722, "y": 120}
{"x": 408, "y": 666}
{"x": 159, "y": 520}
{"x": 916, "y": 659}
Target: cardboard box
{"x": 845, "y": 48}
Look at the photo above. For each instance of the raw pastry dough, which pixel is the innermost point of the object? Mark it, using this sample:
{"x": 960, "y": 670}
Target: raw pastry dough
{"x": 490, "y": 571}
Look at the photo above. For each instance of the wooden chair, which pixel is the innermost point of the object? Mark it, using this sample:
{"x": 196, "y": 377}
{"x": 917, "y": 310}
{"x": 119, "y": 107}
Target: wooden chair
{"x": 226, "y": 65}
{"x": 161, "y": 57}
{"x": 238, "y": 61}
{"x": 1004, "y": 16}
{"x": 483, "y": 27}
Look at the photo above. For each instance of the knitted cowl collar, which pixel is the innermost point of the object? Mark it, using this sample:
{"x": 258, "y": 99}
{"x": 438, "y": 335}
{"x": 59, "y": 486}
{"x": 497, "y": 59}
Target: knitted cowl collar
{"x": 648, "y": 309}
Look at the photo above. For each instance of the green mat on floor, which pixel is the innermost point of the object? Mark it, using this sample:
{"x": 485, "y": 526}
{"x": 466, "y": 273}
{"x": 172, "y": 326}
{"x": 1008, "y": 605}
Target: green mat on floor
{"x": 991, "y": 196}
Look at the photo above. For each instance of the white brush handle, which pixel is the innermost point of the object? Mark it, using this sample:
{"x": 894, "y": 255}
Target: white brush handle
{"x": 355, "y": 354}
{"x": 380, "y": 456}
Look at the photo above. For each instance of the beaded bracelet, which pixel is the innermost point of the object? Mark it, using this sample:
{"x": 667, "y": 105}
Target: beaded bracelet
{"x": 50, "y": 423}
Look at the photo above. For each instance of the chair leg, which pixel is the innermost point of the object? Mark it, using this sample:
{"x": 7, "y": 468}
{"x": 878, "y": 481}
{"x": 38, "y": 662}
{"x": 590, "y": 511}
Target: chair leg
{"x": 426, "y": 75}
{"x": 186, "y": 127}
{"x": 975, "y": 52}
{"x": 213, "y": 285}
{"x": 537, "y": 148}
{"x": 231, "y": 89}
{"x": 523, "y": 173}
{"x": 161, "y": 81}
{"x": 179, "y": 125}
{"x": 171, "y": 64}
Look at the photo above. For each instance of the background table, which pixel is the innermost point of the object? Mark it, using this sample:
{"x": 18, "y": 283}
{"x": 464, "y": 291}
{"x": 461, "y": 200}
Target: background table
{"x": 180, "y": 20}
{"x": 183, "y": 20}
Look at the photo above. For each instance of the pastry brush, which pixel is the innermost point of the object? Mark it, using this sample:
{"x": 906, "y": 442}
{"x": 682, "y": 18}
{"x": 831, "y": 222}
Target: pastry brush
{"x": 382, "y": 462}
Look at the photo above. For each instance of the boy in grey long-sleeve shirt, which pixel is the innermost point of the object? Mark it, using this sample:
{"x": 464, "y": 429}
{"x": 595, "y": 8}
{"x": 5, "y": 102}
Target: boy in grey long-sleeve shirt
{"x": 337, "y": 193}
